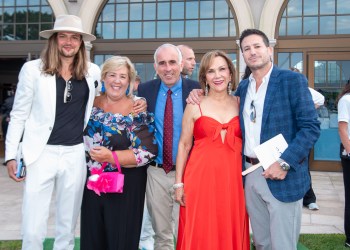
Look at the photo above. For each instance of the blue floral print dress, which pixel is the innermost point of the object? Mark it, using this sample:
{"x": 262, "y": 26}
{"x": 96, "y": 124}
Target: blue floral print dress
{"x": 113, "y": 220}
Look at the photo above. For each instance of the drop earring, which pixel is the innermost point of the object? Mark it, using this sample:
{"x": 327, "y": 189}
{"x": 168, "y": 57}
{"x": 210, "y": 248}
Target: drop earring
{"x": 206, "y": 89}
{"x": 127, "y": 90}
{"x": 229, "y": 88}
{"x": 103, "y": 89}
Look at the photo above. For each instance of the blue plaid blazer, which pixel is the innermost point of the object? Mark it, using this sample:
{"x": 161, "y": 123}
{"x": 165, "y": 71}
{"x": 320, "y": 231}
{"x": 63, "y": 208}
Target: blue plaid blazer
{"x": 289, "y": 110}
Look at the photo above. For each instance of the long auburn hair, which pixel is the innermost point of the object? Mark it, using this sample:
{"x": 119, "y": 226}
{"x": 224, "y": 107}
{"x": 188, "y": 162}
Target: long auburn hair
{"x": 345, "y": 90}
{"x": 52, "y": 63}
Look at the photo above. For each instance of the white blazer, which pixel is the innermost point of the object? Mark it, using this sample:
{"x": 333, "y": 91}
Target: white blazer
{"x": 34, "y": 110}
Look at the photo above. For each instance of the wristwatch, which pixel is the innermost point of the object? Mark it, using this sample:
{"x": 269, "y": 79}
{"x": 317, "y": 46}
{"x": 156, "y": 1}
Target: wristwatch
{"x": 284, "y": 165}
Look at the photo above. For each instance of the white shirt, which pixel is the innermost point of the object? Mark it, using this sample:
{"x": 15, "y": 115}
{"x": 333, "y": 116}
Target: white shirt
{"x": 317, "y": 97}
{"x": 344, "y": 111}
{"x": 253, "y": 129}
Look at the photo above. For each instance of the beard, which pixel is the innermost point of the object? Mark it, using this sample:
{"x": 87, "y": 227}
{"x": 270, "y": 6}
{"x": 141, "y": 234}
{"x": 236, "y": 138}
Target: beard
{"x": 66, "y": 54}
{"x": 258, "y": 66}
{"x": 186, "y": 72}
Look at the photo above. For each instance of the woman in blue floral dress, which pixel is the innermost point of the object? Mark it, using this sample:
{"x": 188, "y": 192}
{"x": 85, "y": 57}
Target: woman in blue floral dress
{"x": 113, "y": 220}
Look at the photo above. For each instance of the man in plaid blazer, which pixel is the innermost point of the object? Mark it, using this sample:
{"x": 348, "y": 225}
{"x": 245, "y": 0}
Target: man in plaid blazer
{"x": 275, "y": 101}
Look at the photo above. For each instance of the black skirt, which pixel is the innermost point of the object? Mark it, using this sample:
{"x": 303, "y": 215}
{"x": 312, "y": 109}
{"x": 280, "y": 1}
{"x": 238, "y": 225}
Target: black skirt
{"x": 113, "y": 221}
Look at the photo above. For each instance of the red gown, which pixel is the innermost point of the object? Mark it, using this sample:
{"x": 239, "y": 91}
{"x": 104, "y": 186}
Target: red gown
{"x": 215, "y": 216}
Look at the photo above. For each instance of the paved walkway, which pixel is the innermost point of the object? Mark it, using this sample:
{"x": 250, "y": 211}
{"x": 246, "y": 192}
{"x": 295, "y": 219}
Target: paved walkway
{"x": 328, "y": 187}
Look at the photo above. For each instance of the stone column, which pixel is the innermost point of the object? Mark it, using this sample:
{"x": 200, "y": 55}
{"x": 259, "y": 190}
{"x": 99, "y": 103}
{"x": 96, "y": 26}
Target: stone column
{"x": 88, "y": 47}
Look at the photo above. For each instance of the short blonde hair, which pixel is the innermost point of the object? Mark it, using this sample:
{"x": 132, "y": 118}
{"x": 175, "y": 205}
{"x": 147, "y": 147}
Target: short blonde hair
{"x": 116, "y": 62}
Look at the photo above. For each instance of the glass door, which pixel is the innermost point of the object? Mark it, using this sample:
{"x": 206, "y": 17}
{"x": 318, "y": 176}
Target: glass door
{"x": 328, "y": 73}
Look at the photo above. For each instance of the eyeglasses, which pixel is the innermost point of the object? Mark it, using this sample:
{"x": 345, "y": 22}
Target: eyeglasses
{"x": 67, "y": 97}
{"x": 253, "y": 113}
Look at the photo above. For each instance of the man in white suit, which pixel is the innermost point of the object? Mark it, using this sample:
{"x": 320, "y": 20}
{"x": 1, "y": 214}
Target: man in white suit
{"x": 51, "y": 109}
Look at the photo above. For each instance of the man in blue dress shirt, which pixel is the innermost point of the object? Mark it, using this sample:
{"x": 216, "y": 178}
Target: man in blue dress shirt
{"x": 163, "y": 209}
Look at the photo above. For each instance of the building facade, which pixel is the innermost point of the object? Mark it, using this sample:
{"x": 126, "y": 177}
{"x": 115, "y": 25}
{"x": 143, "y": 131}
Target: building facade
{"x": 311, "y": 35}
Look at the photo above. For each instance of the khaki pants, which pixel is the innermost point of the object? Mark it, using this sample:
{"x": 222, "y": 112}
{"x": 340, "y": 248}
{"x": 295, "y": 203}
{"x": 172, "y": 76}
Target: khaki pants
{"x": 163, "y": 209}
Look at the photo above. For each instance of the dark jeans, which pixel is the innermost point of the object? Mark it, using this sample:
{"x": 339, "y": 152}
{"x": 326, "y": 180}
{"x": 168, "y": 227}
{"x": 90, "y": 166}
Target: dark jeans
{"x": 346, "y": 177}
{"x": 4, "y": 126}
{"x": 310, "y": 196}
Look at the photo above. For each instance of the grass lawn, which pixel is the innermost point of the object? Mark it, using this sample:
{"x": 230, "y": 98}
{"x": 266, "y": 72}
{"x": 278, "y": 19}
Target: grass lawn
{"x": 306, "y": 241}
{"x": 323, "y": 241}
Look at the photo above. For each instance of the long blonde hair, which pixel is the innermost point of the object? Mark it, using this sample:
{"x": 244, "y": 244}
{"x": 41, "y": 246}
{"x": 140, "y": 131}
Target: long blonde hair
{"x": 52, "y": 63}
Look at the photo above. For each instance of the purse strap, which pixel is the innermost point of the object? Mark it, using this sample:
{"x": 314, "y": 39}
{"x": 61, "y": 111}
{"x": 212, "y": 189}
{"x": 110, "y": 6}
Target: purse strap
{"x": 116, "y": 161}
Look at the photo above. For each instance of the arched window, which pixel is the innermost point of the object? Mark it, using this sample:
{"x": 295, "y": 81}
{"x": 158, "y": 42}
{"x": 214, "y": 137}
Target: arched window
{"x": 24, "y": 20}
{"x": 122, "y": 19}
{"x": 313, "y": 36}
{"x": 315, "y": 17}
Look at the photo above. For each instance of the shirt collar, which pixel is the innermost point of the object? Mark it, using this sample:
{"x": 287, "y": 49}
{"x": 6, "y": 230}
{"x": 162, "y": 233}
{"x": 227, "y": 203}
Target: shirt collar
{"x": 266, "y": 78}
{"x": 175, "y": 89}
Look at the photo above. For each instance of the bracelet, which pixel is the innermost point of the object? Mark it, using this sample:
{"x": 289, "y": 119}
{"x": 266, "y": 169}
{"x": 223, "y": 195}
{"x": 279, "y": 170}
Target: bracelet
{"x": 178, "y": 185}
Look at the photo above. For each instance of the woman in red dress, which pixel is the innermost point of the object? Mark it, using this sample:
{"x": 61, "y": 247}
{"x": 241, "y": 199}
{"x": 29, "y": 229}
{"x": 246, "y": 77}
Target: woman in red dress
{"x": 208, "y": 175}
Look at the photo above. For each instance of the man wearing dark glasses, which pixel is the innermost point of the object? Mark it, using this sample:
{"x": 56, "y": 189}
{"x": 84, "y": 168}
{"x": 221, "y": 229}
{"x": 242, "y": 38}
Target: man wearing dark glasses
{"x": 275, "y": 101}
{"x": 51, "y": 109}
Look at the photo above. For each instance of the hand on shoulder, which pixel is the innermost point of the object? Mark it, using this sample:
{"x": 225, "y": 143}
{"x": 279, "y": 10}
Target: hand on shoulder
{"x": 97, "y": 101}
{"x": 238, "y": 99}
{"x": 194, "y": 96}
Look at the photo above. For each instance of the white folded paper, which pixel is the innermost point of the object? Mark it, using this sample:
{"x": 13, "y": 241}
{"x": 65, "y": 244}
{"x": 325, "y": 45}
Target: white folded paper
{"x": 268, "y": 153}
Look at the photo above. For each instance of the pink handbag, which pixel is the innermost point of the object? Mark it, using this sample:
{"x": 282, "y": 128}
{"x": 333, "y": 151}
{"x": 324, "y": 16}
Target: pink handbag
{"x": 106, "y": 182}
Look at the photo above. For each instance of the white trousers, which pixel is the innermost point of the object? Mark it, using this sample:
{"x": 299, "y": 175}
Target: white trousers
{"x": 62, "y": 168}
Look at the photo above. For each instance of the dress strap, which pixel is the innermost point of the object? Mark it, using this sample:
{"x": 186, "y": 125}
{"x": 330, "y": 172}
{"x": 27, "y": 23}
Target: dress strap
{"x": 199, "y": 105}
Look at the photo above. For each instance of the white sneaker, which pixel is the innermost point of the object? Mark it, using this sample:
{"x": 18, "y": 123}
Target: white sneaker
{"x": 313, "y": 206}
